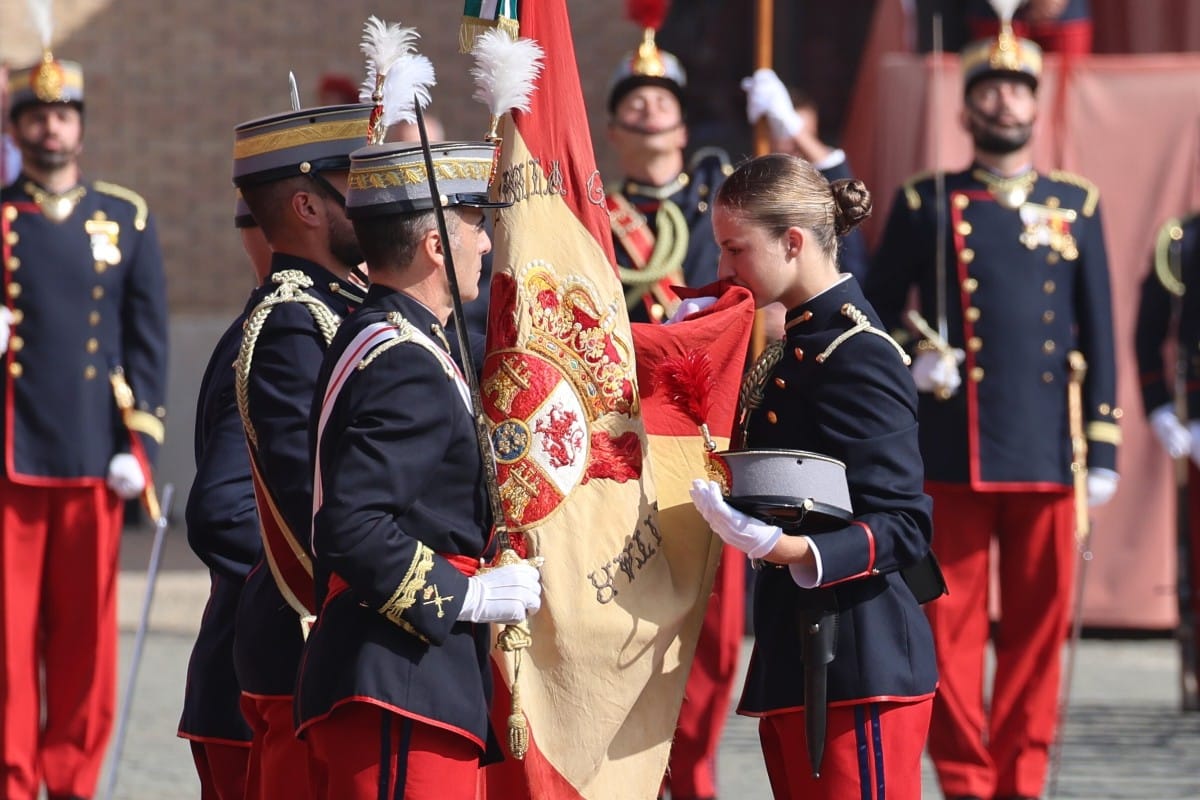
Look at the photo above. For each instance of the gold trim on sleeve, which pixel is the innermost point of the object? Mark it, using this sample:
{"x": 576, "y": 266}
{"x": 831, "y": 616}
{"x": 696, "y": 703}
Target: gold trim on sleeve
{"x": 410, "y": 586}
{"x": 1106, "y": 432}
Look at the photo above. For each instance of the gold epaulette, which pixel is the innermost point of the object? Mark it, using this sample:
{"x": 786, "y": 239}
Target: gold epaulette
{"x": 862, "y": 324}
{"x": 1093, "y": 192}
{"x": 1168, "y": 265}
{"x": 910, "y": 189}
{"x": 141, "y": 210}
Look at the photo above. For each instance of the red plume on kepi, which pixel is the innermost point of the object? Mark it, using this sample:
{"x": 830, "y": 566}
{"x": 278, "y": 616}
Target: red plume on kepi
{"x": 688, "y": 381}
{"x": 647, "y": 13}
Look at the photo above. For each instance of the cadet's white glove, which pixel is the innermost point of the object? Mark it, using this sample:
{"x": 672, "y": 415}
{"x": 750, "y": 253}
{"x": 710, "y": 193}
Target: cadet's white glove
{"x": 1174, "y": 437}
{"x": 752, "y": 537}
{"x": 767, "y": 96}
{"x": 689, "y": 307}
{"x": 934, "y": 372}
{"x": 505, "y": 594}
{"x": 1101, "y": 486}
{"x": 125, "y": 476}
{"x": 5, "y": 321}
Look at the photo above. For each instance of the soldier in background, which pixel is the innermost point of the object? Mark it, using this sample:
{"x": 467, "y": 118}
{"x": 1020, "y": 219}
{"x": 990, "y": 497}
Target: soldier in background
{"x": 661, "y": 221}
{"x": 83, "y": 317}
{"x": 291, "y": 169}
{"x": 222, "y": 523}
{"x": 1175, "y": 420}
{"x": 1024, "y": 283}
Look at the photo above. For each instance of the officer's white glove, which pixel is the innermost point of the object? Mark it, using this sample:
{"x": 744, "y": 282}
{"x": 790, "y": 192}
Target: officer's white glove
{"x": 689, "y": 307}
{"x": 1174, "y": 437}
{"x": 125, "y": 476}
{"x": 505, "y": 594}
{"x": 5, "y": 322}
{"x": 1101, "y": 486}
{"x": 934, "y": 371}
{"x": 752, "y": 537}
{"x": 767, "y": 96}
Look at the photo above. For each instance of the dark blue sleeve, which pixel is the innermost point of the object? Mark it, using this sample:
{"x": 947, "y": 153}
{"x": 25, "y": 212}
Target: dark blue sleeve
{"x": 144, "y": 329}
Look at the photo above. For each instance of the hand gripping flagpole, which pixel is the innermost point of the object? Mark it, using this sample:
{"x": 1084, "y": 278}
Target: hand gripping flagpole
{"x": 513, "y": 638}
{"x": 139, "y": 641}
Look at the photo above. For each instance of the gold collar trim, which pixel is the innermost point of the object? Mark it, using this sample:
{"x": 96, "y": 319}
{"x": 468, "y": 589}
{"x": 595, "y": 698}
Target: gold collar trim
{"x": 1009, "y": 192}
{"x": 55, "y": 207}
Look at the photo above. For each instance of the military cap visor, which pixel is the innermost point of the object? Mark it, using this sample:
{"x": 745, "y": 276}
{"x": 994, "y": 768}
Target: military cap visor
{"x": 48, "y": 82}
{"x": 392, "y": 178}
{"x": 647, "y": 66}
{"x": 298, "y": 143}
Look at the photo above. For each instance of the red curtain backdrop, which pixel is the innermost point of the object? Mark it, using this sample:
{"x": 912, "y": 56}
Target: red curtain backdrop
{"x": 1131, "y": 124}
{"x": 1146, "y": 26}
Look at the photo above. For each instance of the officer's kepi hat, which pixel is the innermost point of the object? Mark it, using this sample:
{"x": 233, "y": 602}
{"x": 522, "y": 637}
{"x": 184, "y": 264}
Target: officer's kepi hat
{"x": 298, "y": 143}
{"x": 51, "y": 80}
{"x": 647, "y": 66}
{"x": 1002, "y": 56}
{"x": 391, "y": 178}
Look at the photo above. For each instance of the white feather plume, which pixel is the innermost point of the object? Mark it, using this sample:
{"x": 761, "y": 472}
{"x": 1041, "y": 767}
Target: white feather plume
{"x": 41, "y": 12}
{"x": 505, "y": 71}
{"x": 1005, "y": 8}
{"x": 383, "y": 44}
{"x": 409, "y": 79}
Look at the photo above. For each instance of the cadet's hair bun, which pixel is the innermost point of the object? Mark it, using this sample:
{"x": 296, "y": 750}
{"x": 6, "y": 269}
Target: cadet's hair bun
{"x": 851, "y": 204}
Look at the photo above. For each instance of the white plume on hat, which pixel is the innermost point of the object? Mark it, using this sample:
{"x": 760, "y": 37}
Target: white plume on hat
{"x": 505, "y": 72}
{"x": 41, "y": 12}
{"x": 407, "y": 75}
{"x": 1006, "y": 8}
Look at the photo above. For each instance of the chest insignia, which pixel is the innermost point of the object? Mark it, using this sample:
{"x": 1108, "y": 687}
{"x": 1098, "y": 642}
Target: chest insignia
{"x": 104, "y": 233}
{"x": 1047, "y": 226}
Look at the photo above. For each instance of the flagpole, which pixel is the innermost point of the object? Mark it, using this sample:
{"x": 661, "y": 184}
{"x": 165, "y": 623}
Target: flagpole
{"x": 764, "y": 57}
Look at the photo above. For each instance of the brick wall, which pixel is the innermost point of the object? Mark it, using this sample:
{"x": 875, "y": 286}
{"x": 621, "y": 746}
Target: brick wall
{"x": 166, "y": 81}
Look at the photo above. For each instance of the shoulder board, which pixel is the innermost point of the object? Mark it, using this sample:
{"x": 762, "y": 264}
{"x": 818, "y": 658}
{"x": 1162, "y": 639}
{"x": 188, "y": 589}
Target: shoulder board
{"x": 862, "y": 324}
{"x": 1093, "y": 193}
{"x": 909, "y": 187}
{"x": 1167, "y": 264}
{"x": 710, "y": 153}
{"x": 141, "y": 211}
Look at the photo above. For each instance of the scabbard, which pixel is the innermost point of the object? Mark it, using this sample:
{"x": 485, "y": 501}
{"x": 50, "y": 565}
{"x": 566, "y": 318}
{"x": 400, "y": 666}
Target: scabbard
{"x": 818, "y": 639}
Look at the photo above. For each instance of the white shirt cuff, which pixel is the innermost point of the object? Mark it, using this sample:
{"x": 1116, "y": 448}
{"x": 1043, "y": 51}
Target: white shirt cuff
{"x": 830, "y": 161}
{"x": 807, "y": 577}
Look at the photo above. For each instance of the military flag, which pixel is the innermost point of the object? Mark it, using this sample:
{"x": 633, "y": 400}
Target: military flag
{"x": 592, "y": 461}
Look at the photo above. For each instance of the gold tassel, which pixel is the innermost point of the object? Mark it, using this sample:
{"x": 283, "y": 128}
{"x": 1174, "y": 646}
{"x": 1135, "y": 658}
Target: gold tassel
{"x": 513, "y": 639}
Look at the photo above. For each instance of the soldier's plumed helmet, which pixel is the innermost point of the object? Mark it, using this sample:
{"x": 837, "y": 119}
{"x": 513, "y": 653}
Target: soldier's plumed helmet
{"x": 391, "y": 178}
{"x": 1003, "y": 56}
{"x": 298, "y": 143}
{"x": 51, "y": 80}
{"x": 647, "y": 66}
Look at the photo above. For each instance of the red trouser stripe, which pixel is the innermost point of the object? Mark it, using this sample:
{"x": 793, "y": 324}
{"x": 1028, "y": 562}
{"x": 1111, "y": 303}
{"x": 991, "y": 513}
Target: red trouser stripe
{"x": 58, "y": 609}
{"x": 872, "y": 751}
{"x": 368, "y": 753}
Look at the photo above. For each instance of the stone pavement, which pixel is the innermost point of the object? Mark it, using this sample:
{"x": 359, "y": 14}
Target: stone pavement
{"x": 1125, "y": 739}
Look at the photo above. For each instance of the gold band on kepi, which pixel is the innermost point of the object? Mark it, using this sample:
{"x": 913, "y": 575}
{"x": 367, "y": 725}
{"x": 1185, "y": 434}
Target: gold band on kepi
{"x": 1003, "y": 55}
{"x": 392, "y": 179}
{"x": 51, "y": 80}
{"x": 298, "y": 142}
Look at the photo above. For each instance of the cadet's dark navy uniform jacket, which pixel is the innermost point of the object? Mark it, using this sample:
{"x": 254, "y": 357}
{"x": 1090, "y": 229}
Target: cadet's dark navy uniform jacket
{"x": 282, "y": 375}
{"x": 403, "y": 492}
{"x": 222, "y": 527}
{"x": 854, "y": 401}
{"x": 88, "y": 296}
{"x": 1023, "y": 288}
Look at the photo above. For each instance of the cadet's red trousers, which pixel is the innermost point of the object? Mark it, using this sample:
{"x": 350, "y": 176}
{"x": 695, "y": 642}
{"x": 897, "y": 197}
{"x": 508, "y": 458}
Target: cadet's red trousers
{"x": 222, "y": 769}
{"x": 58, "y": 608}
{"x": 1034, "y": 533}
{"x": 278, "y": 764}
{"x": 691, "y": 772}
{"x": 872, "y": 751}
{"x": 369, "y": 753}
